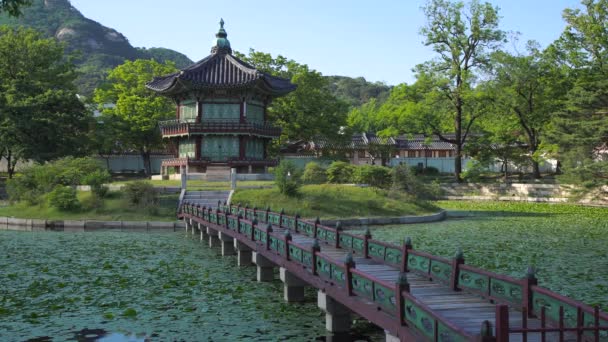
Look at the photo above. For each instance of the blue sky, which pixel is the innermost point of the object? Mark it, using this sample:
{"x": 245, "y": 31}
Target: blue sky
{"x": 377, "y": 39}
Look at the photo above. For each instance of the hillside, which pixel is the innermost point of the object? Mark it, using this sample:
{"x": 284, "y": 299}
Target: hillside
{"x": 98, "y": 48}
{"x": 357, "y": 91}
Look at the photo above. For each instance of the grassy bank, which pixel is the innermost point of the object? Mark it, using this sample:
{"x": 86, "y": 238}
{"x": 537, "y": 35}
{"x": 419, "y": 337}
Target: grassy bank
{"x": 565, "y": 242}
{"x": 202, "y": 185}
{"x": 114, "y": 208}
{"x": 335, "y": 201}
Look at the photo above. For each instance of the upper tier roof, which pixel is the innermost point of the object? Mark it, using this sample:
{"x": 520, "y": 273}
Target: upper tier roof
{"x": 221, "y": 70}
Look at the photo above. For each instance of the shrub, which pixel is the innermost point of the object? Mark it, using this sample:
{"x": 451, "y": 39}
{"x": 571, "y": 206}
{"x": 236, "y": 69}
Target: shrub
{"x": 405, "y": 180}
{"x": 376, "y": 176}
{"x": 314, "y": 174}
{"x": 141, "y": 195}
{"x": 287, "y": 178}
{"x": 63, "y": 198}
{"x": 96, "y": 181}
{"x": 340, "y": 172}
{"x": 431, "y": 171}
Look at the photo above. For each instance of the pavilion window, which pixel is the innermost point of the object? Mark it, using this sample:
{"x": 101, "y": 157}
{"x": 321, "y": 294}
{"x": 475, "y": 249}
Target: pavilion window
{"x": 411, "y": 154}
{"x": 221, "y": 111}
{"x": 188, "y": 111}
{"x": 254, "y": 149}
{"x": 442, "y": 154}
{"x": 255, "y": 113}
{"x": 187, "y": 148}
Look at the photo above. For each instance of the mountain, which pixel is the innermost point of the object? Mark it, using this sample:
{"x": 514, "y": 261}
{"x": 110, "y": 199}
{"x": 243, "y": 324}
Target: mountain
{"x": 98, "y": 48}
{"x": 357, "y": 91}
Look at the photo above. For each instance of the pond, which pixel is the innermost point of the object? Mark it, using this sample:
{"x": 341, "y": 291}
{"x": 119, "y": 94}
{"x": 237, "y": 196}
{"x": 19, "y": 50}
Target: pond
{"x": 567, "y": 244}
{"x": 116, "y": 286}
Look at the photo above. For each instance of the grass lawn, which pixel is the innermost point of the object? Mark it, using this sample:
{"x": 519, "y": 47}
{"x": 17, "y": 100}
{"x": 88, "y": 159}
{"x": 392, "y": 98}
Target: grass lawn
{"x": 114, "y": 208}
{"x": 204, "y": 185}
{"x": 566, "y": 243}
{"x": 334, "y": 201}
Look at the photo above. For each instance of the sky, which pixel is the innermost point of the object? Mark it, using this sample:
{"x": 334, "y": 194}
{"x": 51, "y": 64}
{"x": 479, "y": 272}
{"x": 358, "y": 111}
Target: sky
{"x": 375, "y": 39}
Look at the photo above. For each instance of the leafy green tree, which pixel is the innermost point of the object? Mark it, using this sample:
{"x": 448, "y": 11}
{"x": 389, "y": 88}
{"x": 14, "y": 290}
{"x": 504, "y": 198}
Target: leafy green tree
{"x": 288, "y": 178}
{"x": 13, "y": 7}
{"x": 462, "y": 36}
{"x": 311, "y": 110}
{"x": 527, "y": 89}
{"x": 41, "y": 117}
{"x": 581, "y": 128}
{"x": 132, "y": 109}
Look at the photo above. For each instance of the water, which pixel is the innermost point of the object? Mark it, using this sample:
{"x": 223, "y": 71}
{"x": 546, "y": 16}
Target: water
{"x": 116, "y": 286}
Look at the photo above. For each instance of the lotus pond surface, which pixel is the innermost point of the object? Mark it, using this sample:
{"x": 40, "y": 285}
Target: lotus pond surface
{"x": 71, "y": 286}
{"x": 567, "y": 244}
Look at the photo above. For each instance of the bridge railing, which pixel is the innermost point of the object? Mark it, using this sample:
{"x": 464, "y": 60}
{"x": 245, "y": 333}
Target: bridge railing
{"x": 558, "y": 314}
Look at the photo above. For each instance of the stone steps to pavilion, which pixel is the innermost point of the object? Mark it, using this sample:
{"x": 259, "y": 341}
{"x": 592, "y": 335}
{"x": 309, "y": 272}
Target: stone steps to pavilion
{"x": 207, "y": 198}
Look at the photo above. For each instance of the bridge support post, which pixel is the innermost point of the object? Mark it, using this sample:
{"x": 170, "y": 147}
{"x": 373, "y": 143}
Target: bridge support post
{"x": 227, "y": 244}
{"x": 337, "y": 316}
{"x": 203, "y": 231}
{"x": 293, "y": 287}
{"x": 213, "y": 239}
{"x": 243, "y": 253}
{"x": 391, "y": 338}
{"x": 265, "y": 272}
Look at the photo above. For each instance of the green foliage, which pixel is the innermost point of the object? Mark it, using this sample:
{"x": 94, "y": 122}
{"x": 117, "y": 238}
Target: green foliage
{"x": 96, "y": 181}
{"x": 340, "y": 172}
{"x": 314, "y": 174}
{"x": 141, "y": 195}
{"x": 40, "y": 116}
{"x": 63, "y": 197}
{"x": 13, "y": 7}
{"x": 357, "y": 91}
{"x": 39, "y": 179}
{"x": 405, "y": 180}
{"x": 376, "y": 176}
{"x": 287, "y": 178}
{"x": 137, "y": 110}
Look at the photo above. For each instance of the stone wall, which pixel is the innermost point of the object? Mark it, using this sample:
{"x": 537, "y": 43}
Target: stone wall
{"x": 12, "y": 223}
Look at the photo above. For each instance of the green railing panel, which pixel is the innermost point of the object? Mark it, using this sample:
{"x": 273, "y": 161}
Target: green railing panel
{"x": 552, "y": 308}
{"x": 358, "y": 245}
{"x": 330, "y": 236}
{"x": 508, "y": 291}
{"x": 323, "y": 267}
{"x": 295, "y": 253}
{"x": 256, "y": 235}
{"x": 441, "y": 270}
{"x": 419, "y": 318}
{"x": 281, "y": 247}
{"x": 306, "y": 228}
{"x": 393, "y": 255}
{"x": 245, "y": 228}
{"x": 418, "y": 263}
{"x": 249, "y": 215}
{"x": 232, "y": 223}
{"x": 385, "y": 297}
{"x": 261, "y": 216}
{"x": 338, "y": 274}
{"x": 263, "y": 236}
{"x": 589, "y": 321}
{"x": 212, "y": 218}
{"x": 473, "y": 281}
{"x": 346, "y": 241}
{"x": 321, "y": 233}
{"x": 444, "y": 333}
{"x": 222, "y": 220}
{"x": 288, "y": 222}
{"x": 307, "y": 259}
{"x": 376, "y": 250}
{"x": 234, "y": 210}
{"x": 363, "y": 287}
{"x": 274, "y": 219}
{"x": 274, "y": 243}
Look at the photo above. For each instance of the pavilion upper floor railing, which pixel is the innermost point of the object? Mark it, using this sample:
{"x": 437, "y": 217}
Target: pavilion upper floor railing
{"x": 558, "y": 314}
{"x": 180, "y": 128}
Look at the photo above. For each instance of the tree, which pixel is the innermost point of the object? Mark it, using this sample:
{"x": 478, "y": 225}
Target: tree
{"x": 527, "y": 89}
{"x": 581, "y": 128}
{"x": 13, "y": 7}
{"x": 41, "y": 117}
{"x": 311, "y": 111}
{"x": 463, "y": 36}
{"x": 132, "y": 109}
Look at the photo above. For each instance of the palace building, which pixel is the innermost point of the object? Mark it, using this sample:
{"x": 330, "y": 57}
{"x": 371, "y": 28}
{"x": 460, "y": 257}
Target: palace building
{"x": 221, "y": 116}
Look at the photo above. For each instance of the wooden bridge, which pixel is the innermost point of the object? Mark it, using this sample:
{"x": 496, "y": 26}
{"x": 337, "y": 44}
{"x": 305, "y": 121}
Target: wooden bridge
{"x": 412, "y": 295}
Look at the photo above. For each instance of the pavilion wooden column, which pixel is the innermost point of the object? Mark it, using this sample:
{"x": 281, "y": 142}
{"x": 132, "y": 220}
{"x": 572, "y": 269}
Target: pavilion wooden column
{"x": 197, "y": 148}
{"x": 242, "y": 147}
{"x": 199, "y": 111}
{"x": 177, "y": 111}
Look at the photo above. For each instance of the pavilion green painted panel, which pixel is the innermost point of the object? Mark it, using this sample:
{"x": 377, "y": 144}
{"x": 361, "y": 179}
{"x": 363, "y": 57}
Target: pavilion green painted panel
{"x": 220, "y": 147}
{"x": 217, "y": 111}
{"x": 255, "y": 113}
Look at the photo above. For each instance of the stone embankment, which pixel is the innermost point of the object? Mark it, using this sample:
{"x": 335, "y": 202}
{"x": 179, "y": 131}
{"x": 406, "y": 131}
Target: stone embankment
{"x": 12, "y": 223}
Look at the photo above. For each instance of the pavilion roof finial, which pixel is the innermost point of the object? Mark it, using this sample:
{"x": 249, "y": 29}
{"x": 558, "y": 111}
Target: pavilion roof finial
{"x": 221, "y": 43}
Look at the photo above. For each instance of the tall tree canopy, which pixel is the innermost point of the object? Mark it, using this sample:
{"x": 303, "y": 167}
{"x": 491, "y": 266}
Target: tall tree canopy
{"x": 133, "y": 109}
{"x": 463, "y": 36}
{"x": 581, "y": 128}
{"x": 13, "y": 7}
{"x": 308, "y": 112}
{"x": 41, "y": 117}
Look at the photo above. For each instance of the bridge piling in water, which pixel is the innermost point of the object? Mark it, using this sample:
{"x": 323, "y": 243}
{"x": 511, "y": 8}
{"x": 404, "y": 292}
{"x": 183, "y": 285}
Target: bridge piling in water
{"x": 243, "y": 253}
{"x": 337, "y": 317}
{"x": 293, "y": 287}
{"x": 265, "y": 268}
{"x": 214, "y": 241}
{"x": 227, "y": 244}
{"x": 203, "y": 232}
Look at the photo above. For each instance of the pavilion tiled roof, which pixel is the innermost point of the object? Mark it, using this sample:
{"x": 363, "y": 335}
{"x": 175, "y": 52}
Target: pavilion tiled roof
{"x": 221, "y": 70}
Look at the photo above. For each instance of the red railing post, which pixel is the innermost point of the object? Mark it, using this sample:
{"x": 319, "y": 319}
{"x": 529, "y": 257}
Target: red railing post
{"x": 366, "y": 237}
{"x": 268, "y": 231}
{"x": 502, "y": 323}
{"x": 287, "y": 239}
{"x": 314, "y": 249}
{"x": 281, "y": 217}
{"x": 295, "y": 222}
{"x": 267, "y": 212}
{"x": 317, "y": 222}
{"x": 338, "y": 230}
{"x": 487, "y": 332}
{"x": 254, "y": 223}
{"x": 456, "y": 262}
{"x": 405, "y": 253}
{"x": 349, "y": 263}
{"x": 401, "y": 286}
{"x": 527, "y": 283}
